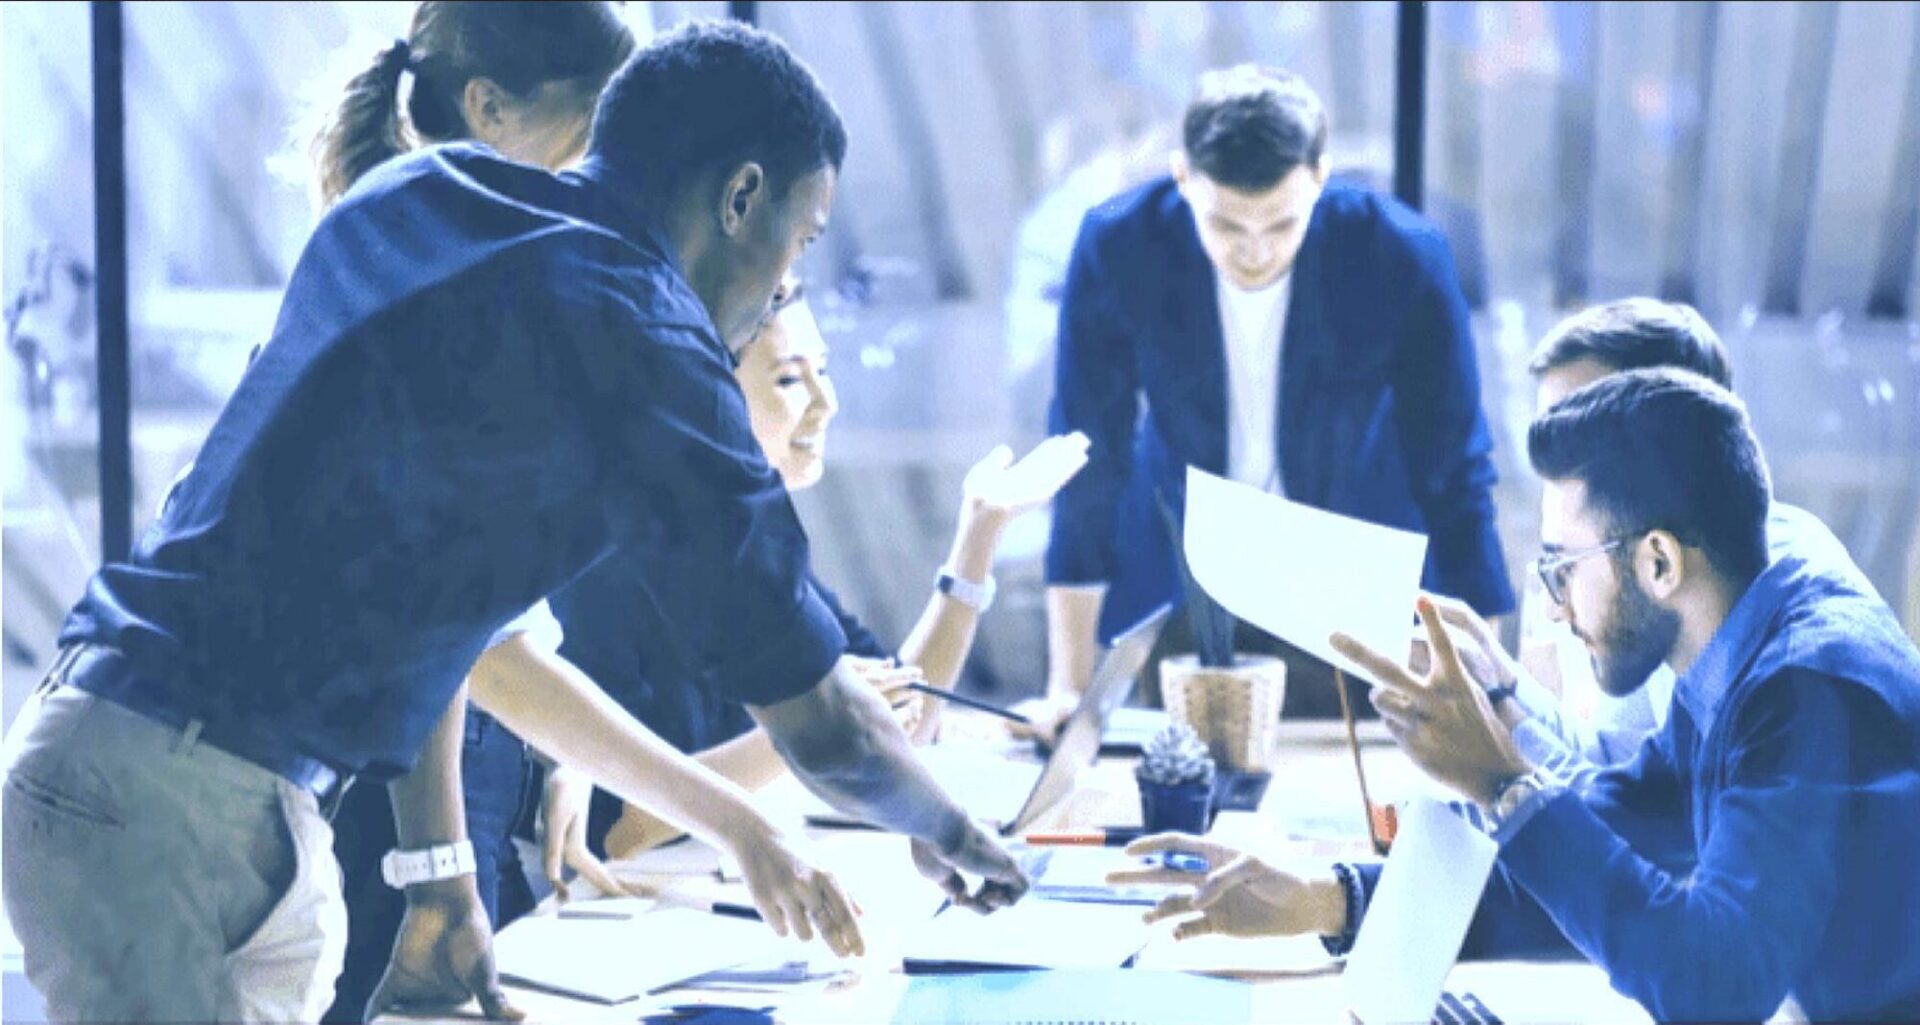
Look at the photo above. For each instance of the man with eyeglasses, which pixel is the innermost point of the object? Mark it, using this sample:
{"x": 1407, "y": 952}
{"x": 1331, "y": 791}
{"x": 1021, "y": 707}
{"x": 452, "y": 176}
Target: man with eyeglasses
{"x": 1758, "y": 849}
{"x": 1628, "y": 334}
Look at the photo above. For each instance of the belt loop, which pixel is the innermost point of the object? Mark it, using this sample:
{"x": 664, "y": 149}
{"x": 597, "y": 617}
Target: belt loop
{"x": 189, "y": 738}
{"x": 61, "y": 669}
{"x": 329, "y": 802}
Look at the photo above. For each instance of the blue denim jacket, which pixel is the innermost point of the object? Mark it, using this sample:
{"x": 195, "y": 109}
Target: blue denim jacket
{"x": 1378, "y": 415}
{"x": 1764, "y": 843}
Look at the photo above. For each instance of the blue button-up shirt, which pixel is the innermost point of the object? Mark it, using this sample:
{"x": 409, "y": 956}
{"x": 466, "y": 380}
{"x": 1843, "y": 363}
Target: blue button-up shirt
{"x": 618, "y": 636}
{"x": 1577, "y": 751}
{"x": 1763, "y": 844}
{"x": 484, "y": 378}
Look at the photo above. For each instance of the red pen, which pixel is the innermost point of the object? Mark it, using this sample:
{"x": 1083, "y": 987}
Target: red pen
{"x": 1112, "y": 836}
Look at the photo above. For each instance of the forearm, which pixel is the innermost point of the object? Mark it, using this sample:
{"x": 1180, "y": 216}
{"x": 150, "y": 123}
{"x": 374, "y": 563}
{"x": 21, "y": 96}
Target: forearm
{"x": 554, "y": 707}
{"x": 1073, "y": 619}
{"x": 748, "y": 760}
{"x": 842, "y": 742}
{"x": 940, "y": 640}
{"x": 429, "y": 807}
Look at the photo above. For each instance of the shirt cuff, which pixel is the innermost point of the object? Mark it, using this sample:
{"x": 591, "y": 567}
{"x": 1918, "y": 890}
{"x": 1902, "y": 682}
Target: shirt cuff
{"x": 1539, "y": 744}
{"x": 1355, "y": 889}
{"x": 1552, "y": 786}
{"x": 538, "y": 623}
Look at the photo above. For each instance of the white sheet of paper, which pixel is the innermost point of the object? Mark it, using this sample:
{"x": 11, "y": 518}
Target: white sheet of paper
{"x": 1031, "y": 934}
{"x": 1302, "y": 573}
{"x": 1418, "y": 916}
{"x": 612, "y": 960}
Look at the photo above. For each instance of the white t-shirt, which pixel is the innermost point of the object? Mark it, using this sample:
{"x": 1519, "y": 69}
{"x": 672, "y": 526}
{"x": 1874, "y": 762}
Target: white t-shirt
{"x": 1253, "y": 325}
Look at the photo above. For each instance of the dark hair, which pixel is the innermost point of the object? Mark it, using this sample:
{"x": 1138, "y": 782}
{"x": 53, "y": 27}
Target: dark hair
{"x": 1663, "y": 449}
{"x": 1249, "y": 126}
{"x": 519, "y": 44}
{"x": 709, "y": 96}
{"x": 1632, "y": 334}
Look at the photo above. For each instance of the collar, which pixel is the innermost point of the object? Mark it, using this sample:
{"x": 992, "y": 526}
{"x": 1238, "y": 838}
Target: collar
{"x": 1705, "y": 686}
{"x": 612, "y": 204}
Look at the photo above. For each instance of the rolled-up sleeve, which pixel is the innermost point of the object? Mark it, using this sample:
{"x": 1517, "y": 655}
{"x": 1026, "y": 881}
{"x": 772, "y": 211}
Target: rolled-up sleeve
{"x": 537, "y": 624}
{"x": 692, "y": 497}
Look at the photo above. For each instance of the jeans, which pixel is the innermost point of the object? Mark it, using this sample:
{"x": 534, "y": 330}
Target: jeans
{"x": 152, "y": 878}
{"x": 494, "y": 778}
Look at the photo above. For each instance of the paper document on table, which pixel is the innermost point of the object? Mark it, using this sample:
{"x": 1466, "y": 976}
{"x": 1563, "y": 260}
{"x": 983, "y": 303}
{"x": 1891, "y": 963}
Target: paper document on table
{"x": 1419, "y": 915}
{"x": 1301, "y": 573}
{"x": 1111, "y": 997}
{"x": 1031, "y": 934}
{"x": 611, "y": 960}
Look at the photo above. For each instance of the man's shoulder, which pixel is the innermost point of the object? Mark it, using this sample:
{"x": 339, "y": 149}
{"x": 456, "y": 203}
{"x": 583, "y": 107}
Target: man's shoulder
{"x": 1353, "y": 215}
{"x": 1150, "y": 210}
{"x": 467, "y": 207}
{"x": 1831, "y": 626}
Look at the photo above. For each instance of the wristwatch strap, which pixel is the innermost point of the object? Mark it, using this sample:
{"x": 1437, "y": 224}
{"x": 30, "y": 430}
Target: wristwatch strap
{"x": 976, "y": 596}
{"x": 402, "y": 869}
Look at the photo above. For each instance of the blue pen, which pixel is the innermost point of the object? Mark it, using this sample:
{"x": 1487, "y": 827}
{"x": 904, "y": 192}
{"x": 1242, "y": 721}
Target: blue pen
{"x": 1181, "y": 862}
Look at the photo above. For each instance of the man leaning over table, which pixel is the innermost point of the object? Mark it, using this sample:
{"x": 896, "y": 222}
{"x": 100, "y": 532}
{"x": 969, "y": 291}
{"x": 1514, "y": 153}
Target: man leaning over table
{"x": 1762, "y": 845}
{"x": 485, "y": 377}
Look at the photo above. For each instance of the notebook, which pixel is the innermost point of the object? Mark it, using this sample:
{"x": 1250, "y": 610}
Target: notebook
{"x": 1109, "y": 997}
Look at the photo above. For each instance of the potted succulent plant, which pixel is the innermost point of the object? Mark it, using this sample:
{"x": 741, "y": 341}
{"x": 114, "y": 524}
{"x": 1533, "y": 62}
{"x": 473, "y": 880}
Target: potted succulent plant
{"x": 1176, "y": 782}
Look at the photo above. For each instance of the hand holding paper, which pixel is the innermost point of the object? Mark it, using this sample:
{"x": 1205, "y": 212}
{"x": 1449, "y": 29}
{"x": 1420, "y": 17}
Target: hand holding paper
{"x": 1443, "y": 722}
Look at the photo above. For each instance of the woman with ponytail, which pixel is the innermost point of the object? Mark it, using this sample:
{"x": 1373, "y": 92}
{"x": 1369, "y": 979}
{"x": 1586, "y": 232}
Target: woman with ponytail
{"x": 522, "y": 78}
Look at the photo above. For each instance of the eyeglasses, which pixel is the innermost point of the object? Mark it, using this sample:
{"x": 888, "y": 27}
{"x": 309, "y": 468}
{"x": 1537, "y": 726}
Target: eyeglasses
{"x": 1554, "y": 568}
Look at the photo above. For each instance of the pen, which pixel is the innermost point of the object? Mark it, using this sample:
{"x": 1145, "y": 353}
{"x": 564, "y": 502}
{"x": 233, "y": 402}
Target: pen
{"x": 947, "y": 695}
{"x": 1111, "y": 836}
{"x": 731, "y": 910}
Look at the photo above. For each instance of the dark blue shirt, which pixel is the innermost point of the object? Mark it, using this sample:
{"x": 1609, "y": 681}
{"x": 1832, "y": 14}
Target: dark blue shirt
{"x": 483, "y": 378}
{"x": 1764, "y": 842}
{"x": 1378, "y": 413}
{"x": 617, "y": 634}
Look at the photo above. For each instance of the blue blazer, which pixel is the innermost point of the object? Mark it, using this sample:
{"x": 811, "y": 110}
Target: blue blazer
{"x": 1379, "y": 407}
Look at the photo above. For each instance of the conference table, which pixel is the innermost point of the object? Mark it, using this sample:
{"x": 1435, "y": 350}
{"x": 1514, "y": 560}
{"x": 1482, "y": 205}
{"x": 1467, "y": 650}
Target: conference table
{"x": 1311, "y": 811}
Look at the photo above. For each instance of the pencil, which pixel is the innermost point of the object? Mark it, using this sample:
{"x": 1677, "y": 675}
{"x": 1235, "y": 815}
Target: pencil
{"x": 947, "y": 695}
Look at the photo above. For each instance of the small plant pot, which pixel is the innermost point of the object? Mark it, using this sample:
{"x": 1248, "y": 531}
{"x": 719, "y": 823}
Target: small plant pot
{"x": 1235, "y": 710}
{"x": 1179, "y": 808}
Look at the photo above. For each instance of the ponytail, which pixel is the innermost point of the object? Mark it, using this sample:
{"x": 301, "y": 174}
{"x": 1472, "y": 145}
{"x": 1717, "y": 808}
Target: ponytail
{"x": 365, "y": 130}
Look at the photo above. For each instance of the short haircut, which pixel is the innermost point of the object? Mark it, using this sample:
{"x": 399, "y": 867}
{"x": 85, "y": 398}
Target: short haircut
{"x": 1249, "y": 126}
{"x": 707, "y": 97}
{"x": 1663, "y": 449}
{"x": 1634, "y": 334}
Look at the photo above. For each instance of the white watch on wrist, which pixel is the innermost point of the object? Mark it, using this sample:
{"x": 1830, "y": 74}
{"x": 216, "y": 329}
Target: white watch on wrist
{"x": 976, "y": 596}
{"x": 402, "y": 869}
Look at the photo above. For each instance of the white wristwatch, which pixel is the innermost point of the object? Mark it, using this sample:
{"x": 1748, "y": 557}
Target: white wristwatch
{"x": 402, "y": 869}
{"x": 976, "y": 596}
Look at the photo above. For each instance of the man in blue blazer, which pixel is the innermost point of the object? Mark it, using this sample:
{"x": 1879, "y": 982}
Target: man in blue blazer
{"x": 1247, "y": 317}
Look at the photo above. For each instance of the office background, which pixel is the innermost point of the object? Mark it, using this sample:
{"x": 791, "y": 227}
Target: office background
{"x": 1761, "y": 160}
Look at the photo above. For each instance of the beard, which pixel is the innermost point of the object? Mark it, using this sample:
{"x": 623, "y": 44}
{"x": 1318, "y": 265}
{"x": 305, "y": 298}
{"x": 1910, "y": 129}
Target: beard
{"x": 1637, "y": 636}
